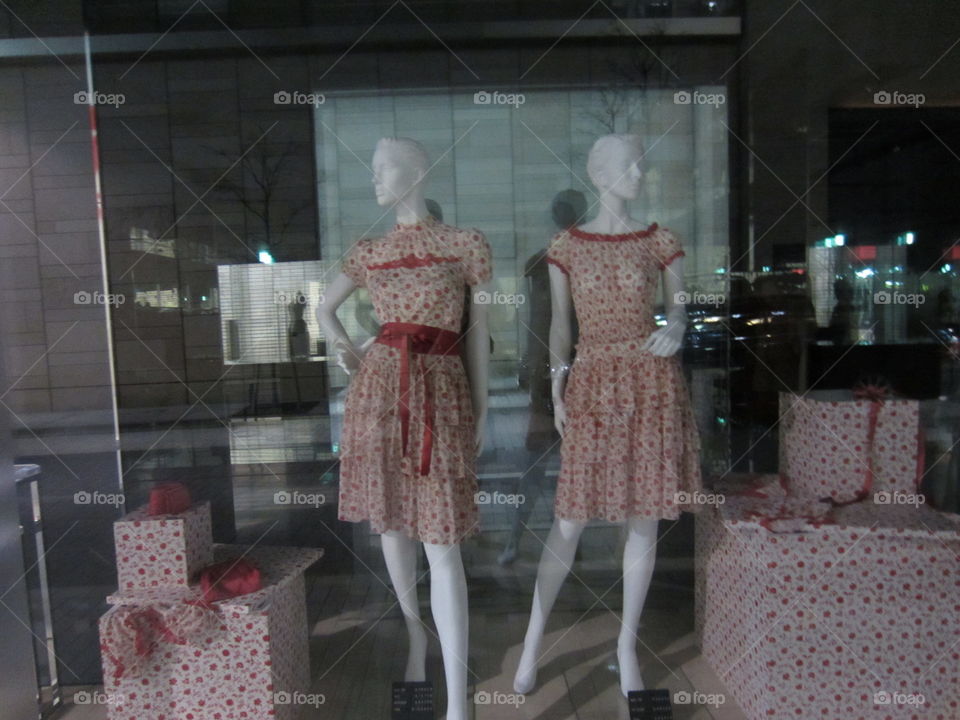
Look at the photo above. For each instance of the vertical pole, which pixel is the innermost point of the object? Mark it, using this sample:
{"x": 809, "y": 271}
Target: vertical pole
{"x": 105, "y": 275}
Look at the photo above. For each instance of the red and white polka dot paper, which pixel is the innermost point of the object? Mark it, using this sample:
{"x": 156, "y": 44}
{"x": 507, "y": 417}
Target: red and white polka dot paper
{"x": 857, "y": 619}
{"x": 849, "y": 449}
{"x": 248, "y": 665}
{"x": 162, "y": 550}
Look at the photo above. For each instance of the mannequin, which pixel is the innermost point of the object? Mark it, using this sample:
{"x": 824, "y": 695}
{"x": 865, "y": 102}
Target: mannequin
{"x": 608, "y": 350}
{"x": 437, "y": 437}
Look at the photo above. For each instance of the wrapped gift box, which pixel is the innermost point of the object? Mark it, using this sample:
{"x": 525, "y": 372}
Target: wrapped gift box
{"x": 245, "y": 657}
{"x": 830, "y": 616}
{"x": 834, "y": 445}
{"x": 160, "y": 551}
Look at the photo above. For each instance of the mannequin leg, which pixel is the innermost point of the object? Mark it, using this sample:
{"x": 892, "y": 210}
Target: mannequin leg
{"x": 448, "y": 600}
{"x": 400, "y": 554}
{"x": 554, "y": 567}
{"x": 639, "y": 557}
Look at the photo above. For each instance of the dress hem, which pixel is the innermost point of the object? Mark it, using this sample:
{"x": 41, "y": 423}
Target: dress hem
{"x": 379, "y": 528}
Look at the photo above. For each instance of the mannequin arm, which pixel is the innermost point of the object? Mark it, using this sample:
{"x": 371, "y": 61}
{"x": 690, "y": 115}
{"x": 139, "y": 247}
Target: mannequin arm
{"x": 561, "y": 340}
{"x": 348, "y": 355}
{"x": 667, "y": 340}
{"x": 478, "y": 359}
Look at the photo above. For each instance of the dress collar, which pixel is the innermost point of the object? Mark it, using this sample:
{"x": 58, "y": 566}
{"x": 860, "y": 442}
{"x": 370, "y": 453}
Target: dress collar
{"x": 425, "y": 222}
{"x": 577, "y": 232}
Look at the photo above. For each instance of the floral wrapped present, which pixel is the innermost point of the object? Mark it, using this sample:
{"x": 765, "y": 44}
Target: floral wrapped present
{"x": 854, "y": 614}
{"x": 174, "y": 653}
{"x": 163, "y": 550}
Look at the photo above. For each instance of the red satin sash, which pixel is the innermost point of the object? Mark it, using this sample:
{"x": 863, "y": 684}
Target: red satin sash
{"x": 422, "y": 340}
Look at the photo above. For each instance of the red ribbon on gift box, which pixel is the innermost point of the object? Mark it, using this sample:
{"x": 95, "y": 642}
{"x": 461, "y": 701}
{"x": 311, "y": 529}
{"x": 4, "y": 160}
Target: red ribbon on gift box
{"x": 131, "y": 633}
{"x": 228, "y": 579}
{"x": 782, "y": 512}
{"x": 873, "y": 391}
{"x": 170, "y": 498}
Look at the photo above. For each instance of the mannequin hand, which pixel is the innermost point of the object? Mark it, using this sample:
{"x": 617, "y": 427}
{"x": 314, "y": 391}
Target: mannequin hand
{"x": 558, "y": 387}
{"x": 479, "y": 432}
{"x": 665, "y": 341}
{"x": 349, "y": 355}
{"x": 559, "y": 415}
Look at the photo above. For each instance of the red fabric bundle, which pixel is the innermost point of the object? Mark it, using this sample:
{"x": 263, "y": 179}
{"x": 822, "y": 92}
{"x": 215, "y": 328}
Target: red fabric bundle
{"x": 170, "y": 498}
{"x": 132, "y": 632}
{"x": 228, "y": 579}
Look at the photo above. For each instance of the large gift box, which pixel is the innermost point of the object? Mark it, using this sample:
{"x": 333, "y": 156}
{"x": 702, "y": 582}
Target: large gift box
{"x": 167, "y": 655}
{"x": 809, "y": 609}
{"x": 163, "y": 550}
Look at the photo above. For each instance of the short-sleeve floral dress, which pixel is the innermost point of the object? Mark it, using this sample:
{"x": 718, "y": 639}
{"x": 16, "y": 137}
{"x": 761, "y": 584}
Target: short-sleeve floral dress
{"x": 630, "y": 445}
{"x": 407, "y": 459}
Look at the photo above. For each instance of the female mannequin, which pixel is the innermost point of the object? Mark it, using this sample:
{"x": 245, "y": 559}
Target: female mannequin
{"x": 413, "y": 426}
{"x": 629, "y": 436}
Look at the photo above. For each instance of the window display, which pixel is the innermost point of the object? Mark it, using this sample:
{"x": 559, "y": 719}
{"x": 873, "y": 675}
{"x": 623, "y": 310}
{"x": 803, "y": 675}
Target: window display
{"x": 606, "y": 358}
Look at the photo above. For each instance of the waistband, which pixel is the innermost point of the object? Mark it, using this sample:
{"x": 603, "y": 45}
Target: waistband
{"x": 420, "y": 340}
{"x": 630, "y": 346}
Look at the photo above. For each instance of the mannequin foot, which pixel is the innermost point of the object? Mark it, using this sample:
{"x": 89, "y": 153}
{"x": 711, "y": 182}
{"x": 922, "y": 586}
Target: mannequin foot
{"x": 417, "y": 656}
{"x": 457, "y": 713}
{"x": 630, "y": 676}
{"x": 526, "y": 677}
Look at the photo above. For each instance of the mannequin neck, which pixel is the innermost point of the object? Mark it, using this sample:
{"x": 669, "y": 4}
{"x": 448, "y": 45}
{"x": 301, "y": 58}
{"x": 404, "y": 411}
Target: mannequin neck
{"x": 411, "y": 209}
{"x": 612, "y": 217}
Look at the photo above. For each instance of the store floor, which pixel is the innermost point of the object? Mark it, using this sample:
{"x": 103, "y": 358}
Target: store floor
{"x": 577, "y": 678}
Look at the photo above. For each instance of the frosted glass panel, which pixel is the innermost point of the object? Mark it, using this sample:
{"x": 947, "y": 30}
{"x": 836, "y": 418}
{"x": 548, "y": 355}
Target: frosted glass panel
{"x": 500, "y": 166}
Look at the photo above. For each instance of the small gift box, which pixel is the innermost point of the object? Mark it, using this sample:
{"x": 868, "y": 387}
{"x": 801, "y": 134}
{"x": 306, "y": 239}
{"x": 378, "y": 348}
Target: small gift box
{"x": 162, "y": 550}
{"x": 173, "y": 653}
{"x": 849, "y": 445}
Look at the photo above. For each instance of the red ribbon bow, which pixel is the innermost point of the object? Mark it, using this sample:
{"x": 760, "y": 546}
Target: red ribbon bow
{"x": 423, "y": 340}
{"x": 170, "y": 498}
{"x": 228, "y": 579}
{"x": 132, "y": 632}
{"x": 874, "y": 392}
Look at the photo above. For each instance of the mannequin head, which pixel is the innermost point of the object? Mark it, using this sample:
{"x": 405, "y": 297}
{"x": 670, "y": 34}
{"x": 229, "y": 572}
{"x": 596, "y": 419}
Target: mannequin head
{"x": 400, "y": 167}
{"x": 615, "y": 165}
